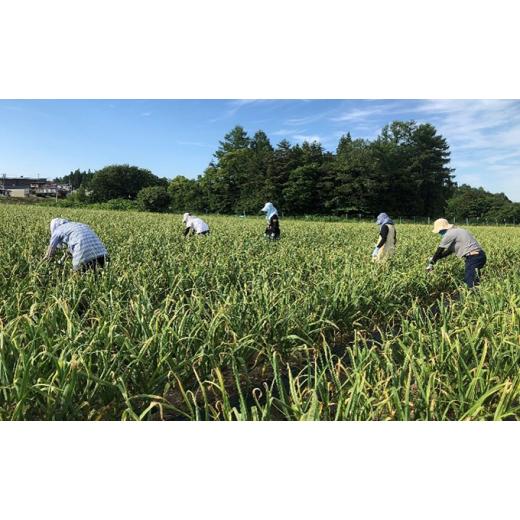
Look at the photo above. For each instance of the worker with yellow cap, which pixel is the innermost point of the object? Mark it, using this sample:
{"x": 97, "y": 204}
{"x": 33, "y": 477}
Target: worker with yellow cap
{"x": 464, "y": 245}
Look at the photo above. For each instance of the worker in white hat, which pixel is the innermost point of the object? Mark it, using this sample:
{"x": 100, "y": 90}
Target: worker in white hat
{"x": 194, "y": 225}
{"x": 85, "y": 247}
{"x": 273, "y": 221}
{"x": 464, "y": 245}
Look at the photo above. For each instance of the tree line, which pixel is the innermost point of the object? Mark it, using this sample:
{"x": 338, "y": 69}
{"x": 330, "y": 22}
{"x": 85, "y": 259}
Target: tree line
{"x": 479, "y": 205}
{"x": 405, "y": 171}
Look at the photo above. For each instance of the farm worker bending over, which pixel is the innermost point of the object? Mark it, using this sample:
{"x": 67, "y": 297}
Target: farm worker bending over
{"x": 387, "y": 238}
{"x": 463, "y": 244}
{"x": 87, "y": 250}
{"x": 194, "y": 225}
{"x": 273, "y": 223}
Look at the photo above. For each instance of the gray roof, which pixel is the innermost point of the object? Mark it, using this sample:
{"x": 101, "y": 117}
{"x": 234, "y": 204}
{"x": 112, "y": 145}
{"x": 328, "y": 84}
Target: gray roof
{"x": 20, "y": 181}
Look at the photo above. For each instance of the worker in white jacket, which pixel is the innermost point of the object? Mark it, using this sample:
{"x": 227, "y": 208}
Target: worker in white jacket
{"x": 194, "y": 225}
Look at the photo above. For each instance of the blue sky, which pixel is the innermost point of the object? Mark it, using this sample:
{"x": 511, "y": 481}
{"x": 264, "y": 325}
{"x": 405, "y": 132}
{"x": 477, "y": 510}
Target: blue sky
{"x": 178, "y": 137}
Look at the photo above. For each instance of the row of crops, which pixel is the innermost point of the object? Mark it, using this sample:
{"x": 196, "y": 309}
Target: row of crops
{"x": 233, "y": 327}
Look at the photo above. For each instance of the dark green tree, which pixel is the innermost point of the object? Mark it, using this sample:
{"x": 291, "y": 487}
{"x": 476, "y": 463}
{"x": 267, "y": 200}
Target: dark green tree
{"x": 430, "y": 174}
{"x": 479, "y": 205}
{"x": 299, "y": 192}
{"x": 153, "y": 198}
{"x": 225, "y": 179}
{"x": 185, "y": 194}
{"x": 76, "y": 178}
{"x": 237, "y": 139}
{"x": 412, "y": 169}
{"x": 404, "y": 171}
{"x": 356, "y": 184}
{"x": 286, "y": 158}
{"x": 121, "y": 181}
{"x": 393, "y": 151}
{"x": 259, "y": 164}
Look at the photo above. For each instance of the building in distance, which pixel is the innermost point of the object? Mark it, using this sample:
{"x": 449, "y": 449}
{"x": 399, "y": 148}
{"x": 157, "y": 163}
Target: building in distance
{"x": 21, "y": 187}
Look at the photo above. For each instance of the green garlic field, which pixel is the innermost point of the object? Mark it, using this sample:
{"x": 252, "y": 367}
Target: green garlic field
{"x": 232, "y": 327}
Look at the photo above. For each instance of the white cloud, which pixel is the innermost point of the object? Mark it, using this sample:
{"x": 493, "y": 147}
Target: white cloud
{"x": 473, "y": 180}
{"x": 484, "y": 137}
{"x": 298, "y": 121}
{"x": 475, "y": 123}
{"x": 357, "y": 114}
{"x": 382, "y": 110}
{"x": 309, "y": 138}
{"x": 234, "y": 105}
{"x": 312, "y": 118}
{"x": 283, "y": 131}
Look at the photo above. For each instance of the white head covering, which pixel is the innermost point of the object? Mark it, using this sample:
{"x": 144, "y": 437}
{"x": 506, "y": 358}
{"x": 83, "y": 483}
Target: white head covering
{"x": 55, "y": 222}
{"x": 383, "y": 219}
{"x": 269, "y": 211}
{"x": 185, "y": 218}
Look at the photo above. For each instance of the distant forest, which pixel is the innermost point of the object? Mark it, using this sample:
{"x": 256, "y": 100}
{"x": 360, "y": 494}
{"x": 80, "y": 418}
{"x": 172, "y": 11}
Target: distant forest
{"x": 405, "y": 171}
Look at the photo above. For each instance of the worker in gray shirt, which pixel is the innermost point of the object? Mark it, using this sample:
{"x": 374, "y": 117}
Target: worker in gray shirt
{"x": 464, "y": 245}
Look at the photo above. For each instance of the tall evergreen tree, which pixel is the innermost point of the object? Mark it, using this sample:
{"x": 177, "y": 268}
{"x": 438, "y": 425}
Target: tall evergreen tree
{"x": 254, "y": 187}
{"x": 236, "y": 139}
{"x": 404, "y": 171}
{"x": 76, "y": 178}
{"x": 432, "y": 178}
{"x": 357, "y": 188}
{"x": 285, "y": 159}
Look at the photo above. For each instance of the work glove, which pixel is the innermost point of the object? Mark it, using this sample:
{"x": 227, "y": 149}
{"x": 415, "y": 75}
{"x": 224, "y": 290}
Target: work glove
{"x": 429, "y": 267}
{"x": 375, "y": 251}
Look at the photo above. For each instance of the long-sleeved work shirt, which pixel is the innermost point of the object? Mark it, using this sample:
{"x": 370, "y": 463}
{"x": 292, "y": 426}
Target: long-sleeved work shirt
{"x": 195, "y": 225}
{"x": 458, "y": 241}
{"x": 83, "y": 244}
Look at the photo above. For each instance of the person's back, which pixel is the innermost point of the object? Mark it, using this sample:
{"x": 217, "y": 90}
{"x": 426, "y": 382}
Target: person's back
{"x": 84, "y": 245}
{"x": 198, "y": 225}
{"x": 194, "y": 225}
{"x": 459, "y": 241}
{"x": 273, "y": 228}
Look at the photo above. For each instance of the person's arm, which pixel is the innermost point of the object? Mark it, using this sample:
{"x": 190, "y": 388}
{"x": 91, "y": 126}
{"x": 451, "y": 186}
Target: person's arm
{"x": 187, "y": 231}
{"x": 383, "y": 235}
{"x": 442, "y": 252}
{"x": 439, "y": 254}
{"x": 445, "y": 249}
{"x": 53, "y": 245}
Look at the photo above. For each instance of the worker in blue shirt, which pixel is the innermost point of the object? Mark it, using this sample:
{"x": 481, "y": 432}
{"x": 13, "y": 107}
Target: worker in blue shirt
{"x": 85, "y": 247}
